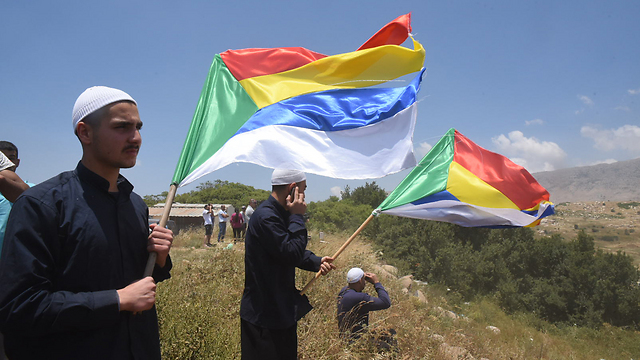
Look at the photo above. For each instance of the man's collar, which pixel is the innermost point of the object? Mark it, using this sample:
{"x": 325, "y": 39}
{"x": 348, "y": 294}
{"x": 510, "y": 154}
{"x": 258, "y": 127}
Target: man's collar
{"x": 86, "y": 175}
{"x": 277, "y": 205}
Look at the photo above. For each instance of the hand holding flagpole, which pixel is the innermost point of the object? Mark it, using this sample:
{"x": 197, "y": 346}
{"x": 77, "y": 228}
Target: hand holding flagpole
{"x": 335, "y": 256}
{"x": 151, "y": 263}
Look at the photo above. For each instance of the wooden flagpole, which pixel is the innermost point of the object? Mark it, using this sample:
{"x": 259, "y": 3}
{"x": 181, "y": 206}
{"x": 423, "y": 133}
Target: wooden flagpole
{"x": 335, "y": 256}
{"x": 151, "y": 263}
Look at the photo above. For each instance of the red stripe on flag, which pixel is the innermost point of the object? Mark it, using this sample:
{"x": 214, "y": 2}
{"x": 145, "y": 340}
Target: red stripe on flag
{"x": 394, "y": 33}
{"x": 511, "y": 179}
{"x": 248, "y": 63}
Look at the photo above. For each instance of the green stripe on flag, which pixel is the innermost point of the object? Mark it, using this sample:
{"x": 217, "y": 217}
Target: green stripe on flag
{"x": 427, "y": 178}
{"x": 223, "y": 108}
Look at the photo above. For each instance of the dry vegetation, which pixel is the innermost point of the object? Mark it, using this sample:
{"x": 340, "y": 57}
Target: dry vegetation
{"x": 198, "y": 310}
{"x": 613, "y": 227}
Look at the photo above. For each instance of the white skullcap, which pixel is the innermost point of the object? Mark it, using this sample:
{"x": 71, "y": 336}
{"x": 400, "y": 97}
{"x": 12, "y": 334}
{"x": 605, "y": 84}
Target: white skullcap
{"x": 354, "y": 275}
{"x": 94, "y": 98}
{"x": 286, "y": 176}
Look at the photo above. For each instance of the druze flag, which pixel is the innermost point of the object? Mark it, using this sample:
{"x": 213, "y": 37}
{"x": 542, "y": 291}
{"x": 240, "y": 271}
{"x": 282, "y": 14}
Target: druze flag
{"x": 320, "y": 114}
{"x": 461, "y": 183}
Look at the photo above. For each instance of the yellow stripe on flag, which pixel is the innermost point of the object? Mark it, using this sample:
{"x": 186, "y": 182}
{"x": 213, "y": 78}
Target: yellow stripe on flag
{"x": 351, "y": 70}
{"x": 470, "y": 189}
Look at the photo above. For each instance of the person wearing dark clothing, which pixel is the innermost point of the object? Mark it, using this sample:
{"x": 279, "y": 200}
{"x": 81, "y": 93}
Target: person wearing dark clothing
{"x": 76, "y": 247}
{"x": 237, "y": 220}
{"x": 354, "y": 305}
{"x": 275, "y": 245}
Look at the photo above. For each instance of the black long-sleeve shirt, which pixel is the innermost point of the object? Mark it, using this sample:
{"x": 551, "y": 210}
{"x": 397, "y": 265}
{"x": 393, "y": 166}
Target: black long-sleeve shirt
{"x": 354, "y": 307}
{"x": 69, "y": 245}
{"x": 275, "y": 246}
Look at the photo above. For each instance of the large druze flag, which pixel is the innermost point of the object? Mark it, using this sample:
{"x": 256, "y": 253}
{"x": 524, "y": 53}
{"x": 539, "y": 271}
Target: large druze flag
{"x": 321, "y": 114}
{"x": 461, "y": 183}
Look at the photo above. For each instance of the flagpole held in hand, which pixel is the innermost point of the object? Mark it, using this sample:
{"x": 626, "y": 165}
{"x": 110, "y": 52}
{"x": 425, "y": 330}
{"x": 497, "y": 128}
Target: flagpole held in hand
{"x": 151, "y": 263}
{"x": 335, "y": 256}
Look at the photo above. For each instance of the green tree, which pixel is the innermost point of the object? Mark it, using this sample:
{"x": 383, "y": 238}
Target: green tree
{"x": 223, "y": 192}
{"x": 369, "y": 194}
{"x": 151, "y": 200}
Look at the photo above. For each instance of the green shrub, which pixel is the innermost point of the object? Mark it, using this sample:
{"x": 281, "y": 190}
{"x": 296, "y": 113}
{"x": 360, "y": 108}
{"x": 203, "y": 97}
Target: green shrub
{"x": 628, "y": 205}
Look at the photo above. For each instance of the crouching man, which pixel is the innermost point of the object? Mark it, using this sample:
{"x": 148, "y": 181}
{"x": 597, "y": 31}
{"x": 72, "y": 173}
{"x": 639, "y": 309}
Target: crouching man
{"x": 354, "y": 307}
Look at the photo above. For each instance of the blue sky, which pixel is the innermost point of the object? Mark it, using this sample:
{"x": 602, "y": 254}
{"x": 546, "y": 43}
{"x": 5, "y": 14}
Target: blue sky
{"x": 549, "y": 84}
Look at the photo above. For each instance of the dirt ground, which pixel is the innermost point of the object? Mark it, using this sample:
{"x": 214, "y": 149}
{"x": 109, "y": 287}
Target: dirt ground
{"x": 614, "y": 225}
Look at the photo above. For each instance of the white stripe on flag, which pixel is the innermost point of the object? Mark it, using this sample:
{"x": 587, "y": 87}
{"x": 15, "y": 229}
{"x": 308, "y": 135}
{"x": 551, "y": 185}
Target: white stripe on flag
{"x": 368, "y": 152}
{"x": 467, "y": 215}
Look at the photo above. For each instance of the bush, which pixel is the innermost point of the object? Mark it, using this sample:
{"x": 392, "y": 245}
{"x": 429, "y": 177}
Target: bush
{"x": 561, "y": 282}
{"x": 628, "y": 205}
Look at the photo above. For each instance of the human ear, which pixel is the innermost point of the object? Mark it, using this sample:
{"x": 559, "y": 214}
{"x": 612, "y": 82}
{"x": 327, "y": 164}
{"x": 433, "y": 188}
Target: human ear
{"x": 84, "y": 132}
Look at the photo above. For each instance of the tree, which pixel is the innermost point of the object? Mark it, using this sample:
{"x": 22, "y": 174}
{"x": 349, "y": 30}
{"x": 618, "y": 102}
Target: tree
{"x": 369, "y": 194}
{"x": 151, "y": 200}
{"x": 346, "y": 193}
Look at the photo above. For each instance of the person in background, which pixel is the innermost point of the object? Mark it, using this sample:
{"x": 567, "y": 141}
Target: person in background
{"x": 222, "y": 222}
{"x": 253, "y": 204}
{"x": 208, "y": 224}
{"x": 12, "y": 186}
{"x": 76, "y": 248}
{"x": 237, "y": 220}
{"x": 244, "y": 223}
{"x": 11, "y": 152}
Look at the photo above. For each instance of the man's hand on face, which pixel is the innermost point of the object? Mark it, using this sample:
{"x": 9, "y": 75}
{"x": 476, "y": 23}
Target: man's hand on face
{"x": 296, "y": 204}
{"x": 371, "y": 278}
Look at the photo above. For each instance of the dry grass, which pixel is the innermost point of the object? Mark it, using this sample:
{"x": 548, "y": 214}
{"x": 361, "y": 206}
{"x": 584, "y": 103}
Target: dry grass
{"x": 199, "y": 306}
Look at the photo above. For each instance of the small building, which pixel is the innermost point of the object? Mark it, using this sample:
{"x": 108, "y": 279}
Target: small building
{"x": 187, "y": 215}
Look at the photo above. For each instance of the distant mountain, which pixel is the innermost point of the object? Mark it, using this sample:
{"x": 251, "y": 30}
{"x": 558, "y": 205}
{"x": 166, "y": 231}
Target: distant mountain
{"x": 619, "y": 181}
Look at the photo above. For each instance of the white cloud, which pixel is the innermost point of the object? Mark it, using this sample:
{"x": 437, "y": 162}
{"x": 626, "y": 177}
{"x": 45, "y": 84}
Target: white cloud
{"x": 626, "y": 137}
{"x": 586, "y": 100}
{"x": 534, "y": 122}
{"x": 578, "y": 112}
{"x": 336, "y": 191}
{"x": 421, "y": 150}
{"x": 531, "y": 153}
{"x": 634, "y": 91}
{"x": 622, "y": 108}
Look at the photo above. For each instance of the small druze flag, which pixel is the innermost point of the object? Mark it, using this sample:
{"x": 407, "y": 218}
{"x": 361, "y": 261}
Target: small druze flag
{"x": 461, "y": 183}
{"x": 318, "y": 113}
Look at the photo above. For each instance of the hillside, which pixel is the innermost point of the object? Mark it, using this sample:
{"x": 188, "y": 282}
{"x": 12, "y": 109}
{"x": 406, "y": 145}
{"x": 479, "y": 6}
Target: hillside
{"x": 198, "y": 313}
{"x": 603, "y": 182}
{"x": 612, "y": 224}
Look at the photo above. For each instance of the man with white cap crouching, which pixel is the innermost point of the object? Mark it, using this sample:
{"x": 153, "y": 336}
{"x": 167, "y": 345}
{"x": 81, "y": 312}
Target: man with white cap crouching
{"x": 76, "y": 247}
{"x": 354, "y": 306}
{"x": 275, "y": 245}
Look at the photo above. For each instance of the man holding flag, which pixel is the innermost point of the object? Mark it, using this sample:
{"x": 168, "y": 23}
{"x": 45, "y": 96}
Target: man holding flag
{"x": 275, "y": 246}
{"x": 76, "y": 247}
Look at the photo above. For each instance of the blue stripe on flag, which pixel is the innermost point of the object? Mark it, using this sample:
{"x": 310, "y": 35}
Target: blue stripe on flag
{"x": 439, "y": 196}
{"x": 335, "y": 110}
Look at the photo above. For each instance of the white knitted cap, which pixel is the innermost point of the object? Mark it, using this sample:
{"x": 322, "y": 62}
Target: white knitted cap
{"x": 94, "y": 98}
{"x": 282, "y": 176}
{"x": 354, "y": 275}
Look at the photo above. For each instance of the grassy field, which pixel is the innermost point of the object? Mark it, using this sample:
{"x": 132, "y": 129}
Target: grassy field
{"x": 198, "y": 313}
